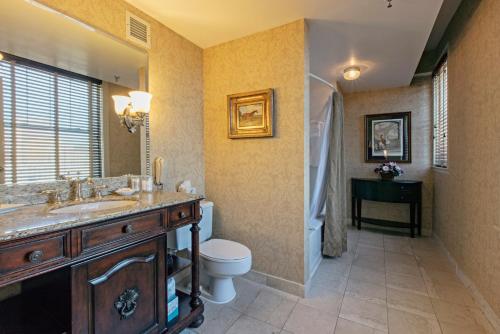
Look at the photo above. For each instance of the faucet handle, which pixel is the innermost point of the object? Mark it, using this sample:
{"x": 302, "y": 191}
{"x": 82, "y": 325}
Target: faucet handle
{"x": 54, "y": 194}
{"x": 98, "y": 190}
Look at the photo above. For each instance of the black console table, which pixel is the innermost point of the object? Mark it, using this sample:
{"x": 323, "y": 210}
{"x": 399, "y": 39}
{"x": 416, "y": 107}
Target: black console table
{"x": 388, "y": 191}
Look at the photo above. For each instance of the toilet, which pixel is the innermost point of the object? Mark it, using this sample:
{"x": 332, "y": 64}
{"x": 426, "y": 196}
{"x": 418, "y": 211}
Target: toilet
{"x": 221, "y": 260}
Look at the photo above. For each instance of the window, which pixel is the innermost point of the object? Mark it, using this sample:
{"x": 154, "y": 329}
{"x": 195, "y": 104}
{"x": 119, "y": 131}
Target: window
{"x": 440, "y": 81}
{"x": 51, "y": 122}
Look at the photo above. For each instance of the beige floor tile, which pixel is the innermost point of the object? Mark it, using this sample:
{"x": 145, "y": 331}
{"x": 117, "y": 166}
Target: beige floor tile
{"x": 334, "y": 268}
{"x": 367, "y": 291}
{"x": 400, "y": 268}
{"x": 454, "y": 293}
{"x": 369, "y": 314}
{"x": 439, "y": 277}
{"x": 271, "y": 307}
{"x": 410, "y": 302}
{"x": 398, "y": 248}
{"x": 369, "y": 262}
{"x": 459, "y": 315}
{"x": 367, "y": 275}
{"x": 401, "y": 322}
{"x": 307, "y": 320}
{"x": 461, "y": 329}
{"x": 350, "y": 327}
{"x": 218, "y": 319}
{"x": 398, "y": 258}
{"x": 405, "y": 282}
{"x": 372, "y": 242}
{"x": 373, "y": 252}
{"x": 246, "y": 292}
{"x": 247, "y": 325}
{"x": 322, "y": 299}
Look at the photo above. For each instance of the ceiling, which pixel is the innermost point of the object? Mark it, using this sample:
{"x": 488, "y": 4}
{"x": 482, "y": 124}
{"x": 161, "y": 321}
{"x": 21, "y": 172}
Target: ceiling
{"x": 386, "y": 42}
{"x": 37, "y": 33}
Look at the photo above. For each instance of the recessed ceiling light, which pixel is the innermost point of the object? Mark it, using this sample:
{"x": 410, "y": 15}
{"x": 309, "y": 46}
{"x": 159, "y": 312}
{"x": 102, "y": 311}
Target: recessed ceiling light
{"x": 352, "y": 73}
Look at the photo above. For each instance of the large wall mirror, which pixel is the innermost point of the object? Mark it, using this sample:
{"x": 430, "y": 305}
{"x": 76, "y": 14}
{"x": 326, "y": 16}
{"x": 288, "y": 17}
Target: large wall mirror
{"x": 57, "y": 116}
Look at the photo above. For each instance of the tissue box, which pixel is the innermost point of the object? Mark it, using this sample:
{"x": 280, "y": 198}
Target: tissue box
{"x": 173, "y": 309}
{"x": 170, "y": 289}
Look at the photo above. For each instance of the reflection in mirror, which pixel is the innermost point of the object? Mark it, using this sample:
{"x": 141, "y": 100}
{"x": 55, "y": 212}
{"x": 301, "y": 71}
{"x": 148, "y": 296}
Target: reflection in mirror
{"x": 57, "y": 116}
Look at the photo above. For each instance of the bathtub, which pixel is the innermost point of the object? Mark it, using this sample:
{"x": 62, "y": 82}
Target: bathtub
{"x": 315, "y": 255}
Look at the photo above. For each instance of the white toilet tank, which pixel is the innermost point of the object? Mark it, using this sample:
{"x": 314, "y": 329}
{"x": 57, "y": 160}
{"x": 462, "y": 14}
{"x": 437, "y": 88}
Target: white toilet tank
{"x": 181, "y": 238}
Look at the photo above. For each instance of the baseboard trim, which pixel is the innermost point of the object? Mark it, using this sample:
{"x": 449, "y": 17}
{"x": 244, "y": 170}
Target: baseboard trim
{"x": 469, "y": 284}
{"x": 275, "y": 282}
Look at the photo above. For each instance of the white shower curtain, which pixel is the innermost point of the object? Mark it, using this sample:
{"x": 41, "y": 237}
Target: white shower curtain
{"x": 329, "y": 191}
{"x": 319, "y": 154}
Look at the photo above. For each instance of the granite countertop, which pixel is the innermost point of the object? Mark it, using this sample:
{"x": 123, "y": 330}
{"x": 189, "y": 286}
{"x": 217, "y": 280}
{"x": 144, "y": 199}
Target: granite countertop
{"x": 37, "y": 219}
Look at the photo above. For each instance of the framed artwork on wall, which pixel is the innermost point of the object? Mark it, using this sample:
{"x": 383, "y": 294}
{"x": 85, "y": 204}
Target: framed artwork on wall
{"x": 250, "y": 115}
{"x": 388, "y": 137}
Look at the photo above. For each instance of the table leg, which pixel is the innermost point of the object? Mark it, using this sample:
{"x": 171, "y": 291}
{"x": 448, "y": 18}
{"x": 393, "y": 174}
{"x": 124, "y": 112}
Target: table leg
{"x": 412, "y": 219}
{"x": 353, "y": 210}
{"x": 419, "y": 214}
{"x": 358, "y": 211}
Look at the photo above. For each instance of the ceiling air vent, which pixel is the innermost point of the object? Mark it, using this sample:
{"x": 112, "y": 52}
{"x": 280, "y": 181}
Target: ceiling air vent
{"x": 138, "y": 30}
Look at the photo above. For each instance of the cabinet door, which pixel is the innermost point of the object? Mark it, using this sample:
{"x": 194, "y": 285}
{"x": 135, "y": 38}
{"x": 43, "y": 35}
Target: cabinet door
{"x": 123, "y": 292}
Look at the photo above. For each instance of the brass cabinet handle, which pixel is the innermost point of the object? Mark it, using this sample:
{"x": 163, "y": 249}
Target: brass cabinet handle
{"x": 128, "y": 229}
{"x": 35, "y": 256}
{"x": 182, "y": 215}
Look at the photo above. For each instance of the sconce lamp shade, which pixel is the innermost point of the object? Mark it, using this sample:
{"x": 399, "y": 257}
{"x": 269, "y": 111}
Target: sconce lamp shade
{"x": 121, "y": 103}
{"x": 141, "y": 101}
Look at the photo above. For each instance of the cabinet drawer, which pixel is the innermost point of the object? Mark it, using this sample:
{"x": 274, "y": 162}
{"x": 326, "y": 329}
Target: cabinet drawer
{"x": 109, "y": 233}
{"x": 180, "y": 214}
{"x": 40, "y": 252}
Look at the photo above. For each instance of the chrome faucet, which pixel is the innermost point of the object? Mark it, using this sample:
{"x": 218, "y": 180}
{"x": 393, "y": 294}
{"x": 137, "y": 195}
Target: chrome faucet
{"x": 76, "y": 184}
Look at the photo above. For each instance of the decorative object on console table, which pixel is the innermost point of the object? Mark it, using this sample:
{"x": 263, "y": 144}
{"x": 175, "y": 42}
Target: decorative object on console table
{"x": 406, "y": 191}
{"x": 388, "y": 171}
{"x": 388, "y": 137}
{"x": 250, "y": 114}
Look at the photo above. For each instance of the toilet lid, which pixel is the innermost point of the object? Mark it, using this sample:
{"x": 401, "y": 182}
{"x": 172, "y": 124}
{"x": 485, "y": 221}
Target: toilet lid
{"x": 224, "y": 250}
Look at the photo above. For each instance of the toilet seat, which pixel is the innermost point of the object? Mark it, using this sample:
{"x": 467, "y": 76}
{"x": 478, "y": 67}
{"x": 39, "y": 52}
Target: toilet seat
{"x": 220, "y": 250}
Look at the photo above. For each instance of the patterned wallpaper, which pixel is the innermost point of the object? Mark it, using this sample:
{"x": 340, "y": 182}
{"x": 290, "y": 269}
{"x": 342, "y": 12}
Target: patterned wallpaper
{"x": 418, "y": 99}
{"x": 258, "y": 185}
{"x": 467, "y": 195}
{"x": 175, "y": 80}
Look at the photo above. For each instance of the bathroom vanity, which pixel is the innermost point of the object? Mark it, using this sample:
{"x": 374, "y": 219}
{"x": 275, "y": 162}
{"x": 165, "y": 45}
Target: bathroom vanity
{"x": 98, "y": 271}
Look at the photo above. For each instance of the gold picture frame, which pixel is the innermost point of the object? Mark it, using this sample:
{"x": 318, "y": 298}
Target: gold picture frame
{"x": 250, "y": 115}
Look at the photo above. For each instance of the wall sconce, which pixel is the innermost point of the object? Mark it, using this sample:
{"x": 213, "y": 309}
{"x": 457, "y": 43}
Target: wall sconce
{"x": 132, "y": 109}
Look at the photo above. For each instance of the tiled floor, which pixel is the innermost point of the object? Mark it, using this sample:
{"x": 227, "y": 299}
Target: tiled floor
{"x": 383, "y": 284}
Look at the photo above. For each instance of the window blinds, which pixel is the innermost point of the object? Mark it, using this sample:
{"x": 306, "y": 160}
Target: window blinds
{"x": 52, "y": 124}
{"x": 440, "y": 81}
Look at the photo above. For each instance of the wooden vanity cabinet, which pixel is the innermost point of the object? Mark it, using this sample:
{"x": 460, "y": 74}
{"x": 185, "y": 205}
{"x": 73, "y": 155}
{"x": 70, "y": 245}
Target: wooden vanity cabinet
{"x": 114, "y": 273}
{"x": 123, "y": 292}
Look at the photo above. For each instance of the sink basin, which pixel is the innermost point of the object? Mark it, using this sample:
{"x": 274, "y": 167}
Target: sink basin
{"x": 4, "y": 208}
{"x": 93, "y": 207}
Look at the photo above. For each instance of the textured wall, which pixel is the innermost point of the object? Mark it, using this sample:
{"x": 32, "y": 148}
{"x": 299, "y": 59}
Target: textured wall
{"x": 418, "y": 99}
{"x": 175, "y": 80}
{"x": 467, "y": 195}
{"x": 258, "y": 184}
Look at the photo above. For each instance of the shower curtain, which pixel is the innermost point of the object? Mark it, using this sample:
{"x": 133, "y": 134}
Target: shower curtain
{"x": 329, "y": 192}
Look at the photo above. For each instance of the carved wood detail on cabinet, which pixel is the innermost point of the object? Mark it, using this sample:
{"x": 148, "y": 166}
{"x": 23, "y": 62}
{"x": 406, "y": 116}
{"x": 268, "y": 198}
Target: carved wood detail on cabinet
{"x": 123, "y": 292}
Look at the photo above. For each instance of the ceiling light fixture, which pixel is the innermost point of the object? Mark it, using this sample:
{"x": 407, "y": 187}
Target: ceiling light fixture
{"x": 352, "y": 73}
{"x": 389, "y": 3}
